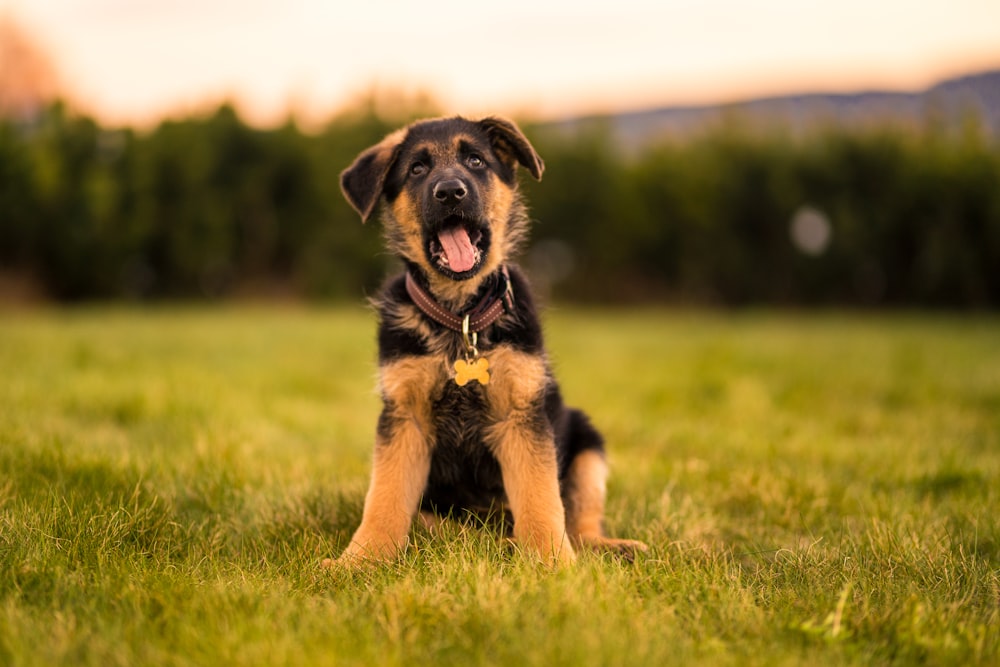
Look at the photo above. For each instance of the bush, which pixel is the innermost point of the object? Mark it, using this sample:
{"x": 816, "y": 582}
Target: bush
{"x": 209, "y": 207}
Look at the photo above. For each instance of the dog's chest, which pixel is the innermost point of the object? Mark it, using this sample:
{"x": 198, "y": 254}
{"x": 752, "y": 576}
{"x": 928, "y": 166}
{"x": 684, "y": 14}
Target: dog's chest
{"x": 461, "y": 460}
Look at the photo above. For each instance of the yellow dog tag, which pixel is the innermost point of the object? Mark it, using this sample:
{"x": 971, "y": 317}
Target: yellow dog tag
{"x": 476, "y": 369}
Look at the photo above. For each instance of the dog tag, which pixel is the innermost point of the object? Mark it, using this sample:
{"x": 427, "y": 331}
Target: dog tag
{"x": 468, "y": 370}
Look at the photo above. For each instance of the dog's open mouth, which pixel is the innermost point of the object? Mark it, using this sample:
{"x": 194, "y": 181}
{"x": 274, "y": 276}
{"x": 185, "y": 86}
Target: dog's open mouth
{"x": 458, "y": 248}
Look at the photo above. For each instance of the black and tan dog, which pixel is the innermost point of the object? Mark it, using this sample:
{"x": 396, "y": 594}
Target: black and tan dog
{"x": 472, "y": 417}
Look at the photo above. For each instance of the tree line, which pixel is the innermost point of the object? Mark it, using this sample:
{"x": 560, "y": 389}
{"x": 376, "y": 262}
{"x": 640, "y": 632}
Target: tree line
{"x": 209, "y": 207}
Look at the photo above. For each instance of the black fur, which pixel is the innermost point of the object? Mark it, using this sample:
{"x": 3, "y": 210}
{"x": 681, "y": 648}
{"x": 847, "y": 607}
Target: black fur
{"x": 407, "y": 171}
{"x": 464, "y": 474}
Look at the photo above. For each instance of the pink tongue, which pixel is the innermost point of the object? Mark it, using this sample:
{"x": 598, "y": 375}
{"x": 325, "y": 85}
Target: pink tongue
{"x": 458, "y": 249}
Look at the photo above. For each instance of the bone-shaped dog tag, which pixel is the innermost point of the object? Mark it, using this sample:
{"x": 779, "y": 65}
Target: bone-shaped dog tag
{"x": 476, "y": 369}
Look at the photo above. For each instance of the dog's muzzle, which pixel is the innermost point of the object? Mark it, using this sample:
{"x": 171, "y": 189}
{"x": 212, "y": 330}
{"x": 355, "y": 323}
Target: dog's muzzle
{"x": 457, "y": 237}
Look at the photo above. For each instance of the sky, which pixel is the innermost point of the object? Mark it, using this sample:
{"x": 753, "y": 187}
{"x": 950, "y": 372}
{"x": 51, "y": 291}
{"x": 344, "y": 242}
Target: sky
{"x": 137, "y": 61}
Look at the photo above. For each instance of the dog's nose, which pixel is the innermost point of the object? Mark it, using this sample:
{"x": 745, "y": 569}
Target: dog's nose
{"x": 450, "y": 191}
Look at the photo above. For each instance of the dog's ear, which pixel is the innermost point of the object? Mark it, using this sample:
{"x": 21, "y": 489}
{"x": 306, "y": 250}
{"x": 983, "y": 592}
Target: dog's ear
{"x": 364, "y": 181}
{"x": 508, "y": 140}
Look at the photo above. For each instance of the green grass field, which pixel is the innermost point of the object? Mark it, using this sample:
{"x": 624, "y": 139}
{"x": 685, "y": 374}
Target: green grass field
{"x": 816, "y": 488}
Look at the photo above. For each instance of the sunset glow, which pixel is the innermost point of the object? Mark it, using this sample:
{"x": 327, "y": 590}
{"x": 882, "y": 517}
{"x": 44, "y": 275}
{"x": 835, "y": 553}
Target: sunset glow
{"x": 135, "y": 61}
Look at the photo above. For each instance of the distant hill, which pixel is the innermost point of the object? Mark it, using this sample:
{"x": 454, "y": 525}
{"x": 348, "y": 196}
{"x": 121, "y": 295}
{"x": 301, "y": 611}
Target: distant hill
{"x": 951, "y": 102}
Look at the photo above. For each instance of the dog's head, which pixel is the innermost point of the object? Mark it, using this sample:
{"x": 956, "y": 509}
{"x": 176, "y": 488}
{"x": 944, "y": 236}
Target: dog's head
{"x": 451, "y": 192}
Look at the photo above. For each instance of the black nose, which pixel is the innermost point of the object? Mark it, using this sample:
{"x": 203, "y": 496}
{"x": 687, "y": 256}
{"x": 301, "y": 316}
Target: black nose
{"x": 450, "y": 191}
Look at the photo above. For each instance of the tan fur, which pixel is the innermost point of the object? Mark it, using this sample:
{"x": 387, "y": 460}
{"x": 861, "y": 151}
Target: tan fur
{"x": 453, "y": 294}
{"x": 585, "y": 505}
{"x": 409, "y": 384}
{"x": 401, "y": 464}
{"x": 498, "y": 211}
{"x": 587, "y": 481}
{"x": 518, "y": 381}
{"x": 527, "y": 458}
{"x": 531, "y": 481}
{"x": 403, "y": 230}
{"x": 399, "y": 473}
{"x": 515, "y": 424}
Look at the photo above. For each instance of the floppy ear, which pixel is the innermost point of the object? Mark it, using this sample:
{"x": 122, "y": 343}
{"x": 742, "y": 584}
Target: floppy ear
{"x": 508, "y": 140}
{"x": 362, "y": 183}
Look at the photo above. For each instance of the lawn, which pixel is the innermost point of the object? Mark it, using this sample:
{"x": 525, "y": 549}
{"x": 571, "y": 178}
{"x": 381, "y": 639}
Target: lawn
{"x": 816, "y": 488}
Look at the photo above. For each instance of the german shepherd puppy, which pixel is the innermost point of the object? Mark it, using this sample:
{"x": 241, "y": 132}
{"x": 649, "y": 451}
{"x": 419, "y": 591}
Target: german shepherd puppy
{"x": 472, "y": 418}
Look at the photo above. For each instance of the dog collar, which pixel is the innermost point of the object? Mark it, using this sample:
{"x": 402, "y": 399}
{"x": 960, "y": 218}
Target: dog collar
{"x": 485, "y": 313}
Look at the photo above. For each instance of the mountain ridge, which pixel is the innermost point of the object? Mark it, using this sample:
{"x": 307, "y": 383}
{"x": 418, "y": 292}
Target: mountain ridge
{"x": 951, "y": 101}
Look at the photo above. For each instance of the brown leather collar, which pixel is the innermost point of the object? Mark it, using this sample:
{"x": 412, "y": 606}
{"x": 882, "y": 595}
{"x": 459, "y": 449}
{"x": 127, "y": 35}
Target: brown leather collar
{"x": 485, "y": 313}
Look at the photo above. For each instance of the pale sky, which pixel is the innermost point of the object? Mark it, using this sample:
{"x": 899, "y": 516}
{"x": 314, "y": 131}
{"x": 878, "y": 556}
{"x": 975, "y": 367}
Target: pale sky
{"x": 135, "y": 61}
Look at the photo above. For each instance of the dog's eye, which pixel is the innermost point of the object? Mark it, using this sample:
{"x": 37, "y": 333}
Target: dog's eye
{"x": 418, "y": 168}
{"x": 475, "y": 161}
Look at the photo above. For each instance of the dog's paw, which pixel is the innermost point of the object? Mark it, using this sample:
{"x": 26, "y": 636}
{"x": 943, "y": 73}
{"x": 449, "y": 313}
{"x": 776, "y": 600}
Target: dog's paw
{"x": 348, "y": 563}
{"x": 365, "y": 550}
{"x": 625, "y": 549}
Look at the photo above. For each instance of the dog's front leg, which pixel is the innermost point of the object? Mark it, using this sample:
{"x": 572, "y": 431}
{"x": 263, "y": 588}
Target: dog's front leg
{"x": 522, "y": 441}
{"x": 401, "y": 462}
{"x": 399, "y": 474}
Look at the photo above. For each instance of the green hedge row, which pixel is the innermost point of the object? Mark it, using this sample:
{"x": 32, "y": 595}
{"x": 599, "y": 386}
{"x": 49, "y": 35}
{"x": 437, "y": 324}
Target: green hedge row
{"x": 209, "y": 207}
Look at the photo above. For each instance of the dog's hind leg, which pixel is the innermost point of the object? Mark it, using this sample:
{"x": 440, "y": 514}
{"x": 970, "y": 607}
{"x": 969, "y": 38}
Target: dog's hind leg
{"x": 584, "y": 491}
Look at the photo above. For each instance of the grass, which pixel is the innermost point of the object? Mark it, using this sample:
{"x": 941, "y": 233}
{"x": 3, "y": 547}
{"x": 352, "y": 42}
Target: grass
{"x": 816, "y": 489}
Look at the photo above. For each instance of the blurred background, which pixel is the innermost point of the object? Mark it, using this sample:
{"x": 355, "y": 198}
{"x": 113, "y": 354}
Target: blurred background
{"x": 712, "y": 152}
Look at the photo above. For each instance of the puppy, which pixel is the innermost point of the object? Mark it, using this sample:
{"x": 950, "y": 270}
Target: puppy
{"x": 472, "y": 419}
